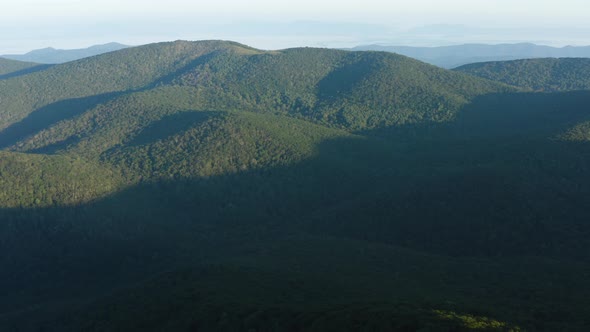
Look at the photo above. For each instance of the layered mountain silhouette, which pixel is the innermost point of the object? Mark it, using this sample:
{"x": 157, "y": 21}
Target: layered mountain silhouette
{"x": 51, "y": 55}
{"x": 211, "y": 186}
{"x": 458, "y": 55}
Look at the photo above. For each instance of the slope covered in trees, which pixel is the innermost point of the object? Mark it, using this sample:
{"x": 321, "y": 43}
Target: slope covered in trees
{"x": 41, "y": 180}
{"x": 97, "y": 78}
{"x": 310, "y": 83}
{"x": 11, "y": 66}
{"x": 564, "y": 74}
{"x": 209, "y": 186}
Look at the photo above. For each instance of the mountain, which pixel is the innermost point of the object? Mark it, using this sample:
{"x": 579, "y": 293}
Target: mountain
{"x": 10, "y": 66}
{"x": 536, "y": 74}
{"x": 356, "y": 91}
{"x": 458, "y": 55}
{"x": 51, "y": 55}
{"x": 210, "y": 186}
{"x": 13, "y": 68}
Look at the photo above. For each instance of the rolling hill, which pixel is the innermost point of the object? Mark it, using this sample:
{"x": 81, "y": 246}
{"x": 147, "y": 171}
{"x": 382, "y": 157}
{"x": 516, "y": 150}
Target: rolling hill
{"x": 300, "y": 85}
{"x": 210, "y": 186}
{"x": 565, "y": 74}
{"x": 11, "y": 66}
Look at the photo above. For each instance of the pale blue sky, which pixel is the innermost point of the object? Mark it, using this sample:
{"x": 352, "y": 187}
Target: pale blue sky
{"x": 30, "y": 24}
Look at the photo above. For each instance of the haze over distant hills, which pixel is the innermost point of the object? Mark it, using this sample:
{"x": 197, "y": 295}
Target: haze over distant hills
{"x": 547, "y": 74}
{"x": 442, "y": 56}
{"x": 51, "y": 55}
{"x": 458, "y": 55}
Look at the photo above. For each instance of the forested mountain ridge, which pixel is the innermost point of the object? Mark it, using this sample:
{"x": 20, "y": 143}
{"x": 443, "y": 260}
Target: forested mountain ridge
{"x": 209, "y": 186}
{"x": 92, "y": 106}
{"x": 11, "y": 66}
{"x": 548, "y": 74}
{"x": 254, "y": 74}
{"x": 116, "y": 72}
{"x": 355, "y": 91}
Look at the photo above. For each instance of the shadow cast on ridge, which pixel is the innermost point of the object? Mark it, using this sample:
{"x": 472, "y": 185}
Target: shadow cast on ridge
{"x": 49, "y": 115}
{"x": 524, "y": 115}
{"x": 492, "y": 197}
{"x": 170, "y": 125}
{"x": 344, "y": 79}
{"x": 25, "y": 71}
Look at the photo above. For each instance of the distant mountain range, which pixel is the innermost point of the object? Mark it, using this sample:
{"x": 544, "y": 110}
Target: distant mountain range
{"x": 458, "y": 55}
{"x": 443, "y": 56}
{"x": 51, "y": 55}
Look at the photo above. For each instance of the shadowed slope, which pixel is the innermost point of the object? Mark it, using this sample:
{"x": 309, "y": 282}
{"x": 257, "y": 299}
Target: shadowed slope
{"x": 47, "y": 116}
{"x": 128, "y": 69}
{"x": 10, "y": 67}
{"x": 377, "y": 89}
{"x": 374, "y": 223}
{"x": 565, "y": 74}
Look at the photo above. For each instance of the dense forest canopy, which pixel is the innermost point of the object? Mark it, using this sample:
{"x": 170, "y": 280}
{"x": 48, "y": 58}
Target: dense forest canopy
{"x": 210, "y": 186}
{"x": 549, "y": 74}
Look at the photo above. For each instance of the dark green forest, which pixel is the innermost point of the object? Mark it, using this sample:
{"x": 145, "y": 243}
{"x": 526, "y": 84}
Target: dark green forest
{"x": 210, "y": 186}
{"x": 547, "y": 74}
{"x": 11, "y": 66}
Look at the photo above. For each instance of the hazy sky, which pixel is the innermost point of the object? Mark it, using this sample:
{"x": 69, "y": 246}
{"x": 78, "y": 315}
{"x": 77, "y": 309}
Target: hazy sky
{"x": 29, "y": 24}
